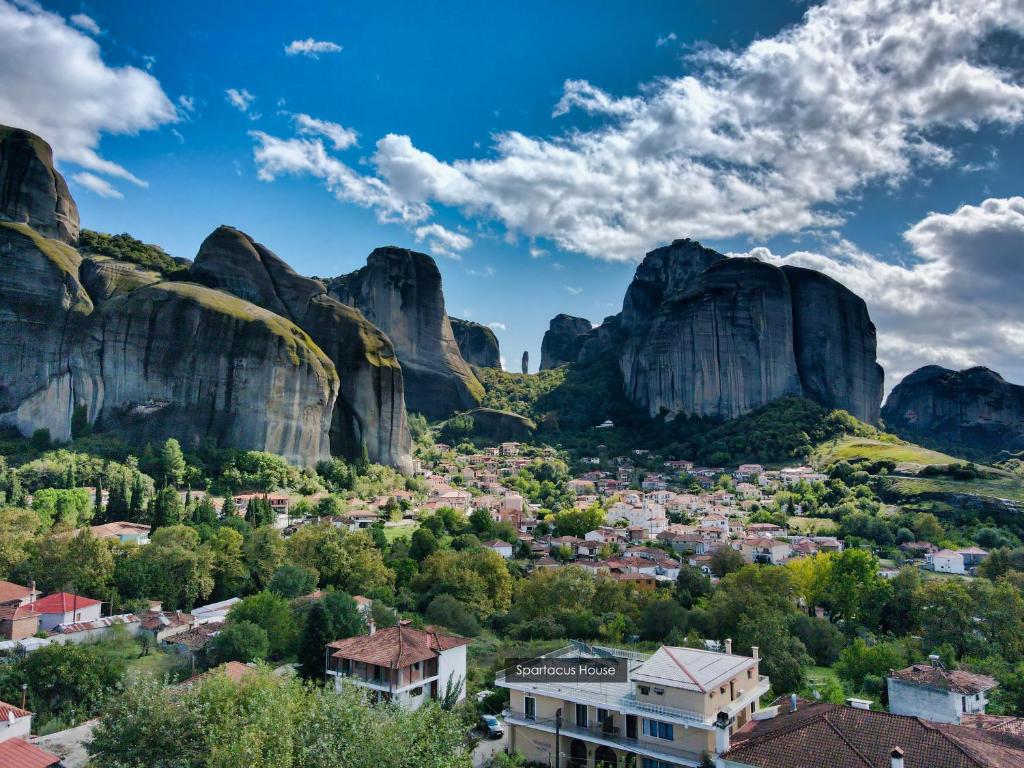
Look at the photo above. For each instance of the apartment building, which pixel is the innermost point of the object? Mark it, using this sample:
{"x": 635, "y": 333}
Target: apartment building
{"x": 676, "y": 705}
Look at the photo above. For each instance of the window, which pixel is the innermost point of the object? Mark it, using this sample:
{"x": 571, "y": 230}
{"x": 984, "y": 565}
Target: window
{"x": 722, "y": 690}
{"x": 530, "y": 707}
{"x": 602, "y": 715}
{"x": 645, "y": 690}
{"x": 650, "y": 762}
{"x": 581, "y": 715}
{"x": 657, "y": 729}
{"x": 660, "y": 691}
{"x": 750, "y": 674}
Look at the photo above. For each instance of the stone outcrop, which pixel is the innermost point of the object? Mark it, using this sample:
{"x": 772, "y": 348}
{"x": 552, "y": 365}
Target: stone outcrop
{"x": 835, "y": 344}
{"x": 370, "y": 409}
{"x": 526, "y": 362}
{"x": 399, "y": 291}
{"x": 704, "y": 334}
{"x": 31, "y": 190}
{"x": 974, "y": 410}
{"x": 563, "y": 340}
{"x": 477, "y": 343}
{"x": 493, "y": 424}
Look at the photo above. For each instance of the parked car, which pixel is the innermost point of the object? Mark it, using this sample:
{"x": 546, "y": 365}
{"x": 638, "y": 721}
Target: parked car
{"x": 492, "y": 726}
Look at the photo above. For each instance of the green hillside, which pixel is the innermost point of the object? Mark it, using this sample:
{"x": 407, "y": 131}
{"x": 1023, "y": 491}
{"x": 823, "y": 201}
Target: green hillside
{"x": 884, "y": 448}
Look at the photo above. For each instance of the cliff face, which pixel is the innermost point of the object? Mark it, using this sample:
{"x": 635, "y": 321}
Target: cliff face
{"x": 974, "y": 409}
{"x": 400, "y": 292}
{"x": 149, "y": 358}
{"x": 477, "y": 343}
{"x": 835, "y": 344}
{"x": 31, "y": 191}
{"x": 563, "y": 340}
{"x": 370, "y": 408}
{"x": 704, "y": 334}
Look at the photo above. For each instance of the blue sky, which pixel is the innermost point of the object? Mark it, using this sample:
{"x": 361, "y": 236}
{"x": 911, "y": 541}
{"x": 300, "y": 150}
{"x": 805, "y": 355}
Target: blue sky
{"x": 539, "y": 149}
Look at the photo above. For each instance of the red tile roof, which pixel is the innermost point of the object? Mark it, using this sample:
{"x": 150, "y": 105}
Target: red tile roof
{"x": 18, "y": 753}
{"x": 15, "y": 612}
{"x": 9, "y": 591}
{"x": 954, "y": 680}
{"x": 396, "y": 647}
{"x": 63, "y": 602}
{"x": 6, "y": 710}
{"x": 828, "y": 736}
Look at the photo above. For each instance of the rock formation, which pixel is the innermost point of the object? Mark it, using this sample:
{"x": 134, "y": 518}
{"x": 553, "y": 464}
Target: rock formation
{"x": 526, "y": 361}
{"x": 492, "y": 424}
{"x": 704, "y": 334}
{"x": 370, "y": 409}
{"x": 31, "y": 190}
{"x": 974, "y": 410}
{"x": 399, "y": 291}
{"x": 563, "y": 340}
{"x": 835, "y": 344}
{"x": 153, "y": 359}
{"x": 477, "y": 343}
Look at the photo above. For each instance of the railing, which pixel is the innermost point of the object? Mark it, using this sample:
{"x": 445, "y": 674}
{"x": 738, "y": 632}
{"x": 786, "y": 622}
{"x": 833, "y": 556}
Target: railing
{"x": 598, "y": 732}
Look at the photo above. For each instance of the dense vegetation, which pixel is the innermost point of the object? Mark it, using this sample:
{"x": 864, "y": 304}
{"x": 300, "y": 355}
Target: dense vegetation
{"x": 124, "y": 247}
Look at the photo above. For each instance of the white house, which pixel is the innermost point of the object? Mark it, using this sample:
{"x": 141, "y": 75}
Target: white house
{"x": 15, "y": 722}
{"x": 400, "y": 664}
{"x": 934, "y": 693}
{"x": 65, "y": 608}
{"x": 503, "y": 548}
{"x": 945, "y": 561}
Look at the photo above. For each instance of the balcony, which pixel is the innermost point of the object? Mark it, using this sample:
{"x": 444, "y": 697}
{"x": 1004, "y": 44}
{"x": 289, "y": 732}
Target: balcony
{"x": 609, "y": 737}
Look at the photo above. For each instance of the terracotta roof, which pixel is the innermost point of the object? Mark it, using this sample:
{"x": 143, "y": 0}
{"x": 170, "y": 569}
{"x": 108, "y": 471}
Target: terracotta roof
{"x": 954, "y": 680}
{"x": 828, "y": 736}
{"x": 15, "y": 611}
{"x": 157, "y": 620}
{"x": 119, "y": 528}
{"x": 6, "y": 710}
{"x": 18, "y": 753}
{"x": 1001, "y": 723}
{"x": 9, "y": 592}
{"x": 198, "y": 636}
{"x": 63, "y": 602}
{"x": 396, "y": 647}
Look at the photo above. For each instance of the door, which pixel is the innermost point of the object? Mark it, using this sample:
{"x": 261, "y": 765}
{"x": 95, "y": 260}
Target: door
{"x": 630, "y": 726}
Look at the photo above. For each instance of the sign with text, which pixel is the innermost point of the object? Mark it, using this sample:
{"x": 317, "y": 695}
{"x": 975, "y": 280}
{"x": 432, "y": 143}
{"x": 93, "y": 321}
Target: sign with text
{"x": 566, "y": 670}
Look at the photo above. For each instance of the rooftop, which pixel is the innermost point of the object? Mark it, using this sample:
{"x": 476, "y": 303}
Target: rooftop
{"x": 63, "y": 602}
{"x": 396, "y": 647}
{"x": 18, "y": 753}
{"x": 9, "y": 592}
{"x": 690, "y": 668}
{"x": 953, "y": 680}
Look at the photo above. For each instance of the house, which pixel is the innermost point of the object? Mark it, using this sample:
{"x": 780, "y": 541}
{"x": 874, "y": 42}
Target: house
{"x": 65, "y": 608}
{"x": 820, "y": 735}
{"x": 162, "y": 624}
{"x": 15, "y": 723}
{"x": 18, "y": 621}
{"x": 503, "y": 548}
{"x": 214, "y": 611}
{"x": 973, "y": 556}
{"x": 945, "y": 561}
{"x": 15, "y": 593}
{"x": 124, "y": 533}
{"x": 666, "y": 712}
{"x": 18, "y": 753}
{"x": 918, "y": 548}
{"x": 401, "y": 664}
{"x": 935, "y": 693}
{"x": 764, "y": 551}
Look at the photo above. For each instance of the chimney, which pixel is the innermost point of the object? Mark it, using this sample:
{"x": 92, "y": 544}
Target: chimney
{"x": 935, "y": 659}
{"x": 792, "y": 702}
{"x": 728, "y": 645}
{"x": 32, "y": 592}
{"x": 754, "y": 651}
{"x": 896, "y": 758}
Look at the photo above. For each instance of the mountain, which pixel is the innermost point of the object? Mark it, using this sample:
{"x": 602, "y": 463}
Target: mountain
{"x": 477, "y": 343}
{"x": 704, "y": 334}
{"x": 400, "y": 292}
{"x": 152, "y": 358}
{"x": 562, "y": 341}
{"x": 370, "y": 409}
{"x": 975, "y": 410}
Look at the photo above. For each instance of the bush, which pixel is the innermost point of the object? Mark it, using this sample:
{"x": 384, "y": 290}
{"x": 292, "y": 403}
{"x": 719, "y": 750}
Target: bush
{"x": 452, "y": 613}
{"x": 240, "y": 641}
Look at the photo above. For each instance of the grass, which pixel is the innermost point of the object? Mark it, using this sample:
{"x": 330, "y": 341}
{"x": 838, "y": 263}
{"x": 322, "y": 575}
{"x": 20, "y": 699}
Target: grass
{"x": 61, "y": 255}
{"x": 813, "y": 525}
{"x": 391, "y": 533}
{"x": 852, "y": 448}
{"x": 159, "y": 664}
{"x": 1004, "y": 487}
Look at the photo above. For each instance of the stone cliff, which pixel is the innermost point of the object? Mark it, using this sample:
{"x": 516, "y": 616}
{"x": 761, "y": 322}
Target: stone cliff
{"x": 370, "y": 408}
{"x": 563, "y": 340}
{"x": 477, "y": 343}
{"x": 400, "y": 292}
{"x": 974, "y": 410}
{"x": 31, "y": 190}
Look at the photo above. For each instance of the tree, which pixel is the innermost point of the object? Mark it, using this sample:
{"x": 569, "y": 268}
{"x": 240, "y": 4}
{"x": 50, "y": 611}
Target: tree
{"x": 478, "y": 578}
{"x": 240, "y": 641}
{"x": 172, "y": 462}
{"x": 229, "y": 571}
{"x": 854, "y": 591}
{"x": 927, "y": 527}
{"x": 334, "y": 617}
{"x": 204, "y": 512}
{"x": 424, "y": 544}
{"x": 291, "y": 581}
{"x": 662, "y": 617}
{"x": 178, "y": 571}
{"x": 859, "y": 660}
{"x": 264, "y": 552}
{"x": 259, "y": 512}
{"x": 452, "y": 613}
{"x": 579, "y": 522}
{"x": 481, "y": 522}
{"x": 273, "y": 614}
{"x": 821, "y": 638}
{"x": 18, "y": 528}
{"x": 167, "y": 508}
{"x": 691, "y": 585}
{"x": 783, "y": 655}
{"x": 80, "y": 563}
{"x": 725, "y": 561}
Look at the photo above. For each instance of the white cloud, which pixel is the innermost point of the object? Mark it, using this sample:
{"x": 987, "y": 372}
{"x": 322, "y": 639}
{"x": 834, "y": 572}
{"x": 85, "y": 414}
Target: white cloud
{"x": 311, "y": 48}
{"x": 757, "y": 141}
{"x": 187, "y": 103}
{"x": 101, "y": 187}
{"x": 671, "y": 37}
{"x": 497, "y": 326}
{"x": 537, "y": 253}
{"x": 339, "y": 136}
{"x": 485, "y": 272}
{"x": 443, "y": 241}
{"x": 573, "y": 290}
{"x": 85, "y": 23}
{"x": 956, "y": 302}
{"x": 239, "y": 99}
{"x": 53, "y": 82}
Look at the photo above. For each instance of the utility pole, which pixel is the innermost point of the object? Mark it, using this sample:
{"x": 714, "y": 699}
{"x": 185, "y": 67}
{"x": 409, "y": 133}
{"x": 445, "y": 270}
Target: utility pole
{"x": 558, "y": 739}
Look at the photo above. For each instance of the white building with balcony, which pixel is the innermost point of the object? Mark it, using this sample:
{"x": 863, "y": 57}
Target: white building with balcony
{"x": 676, "y": 705}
